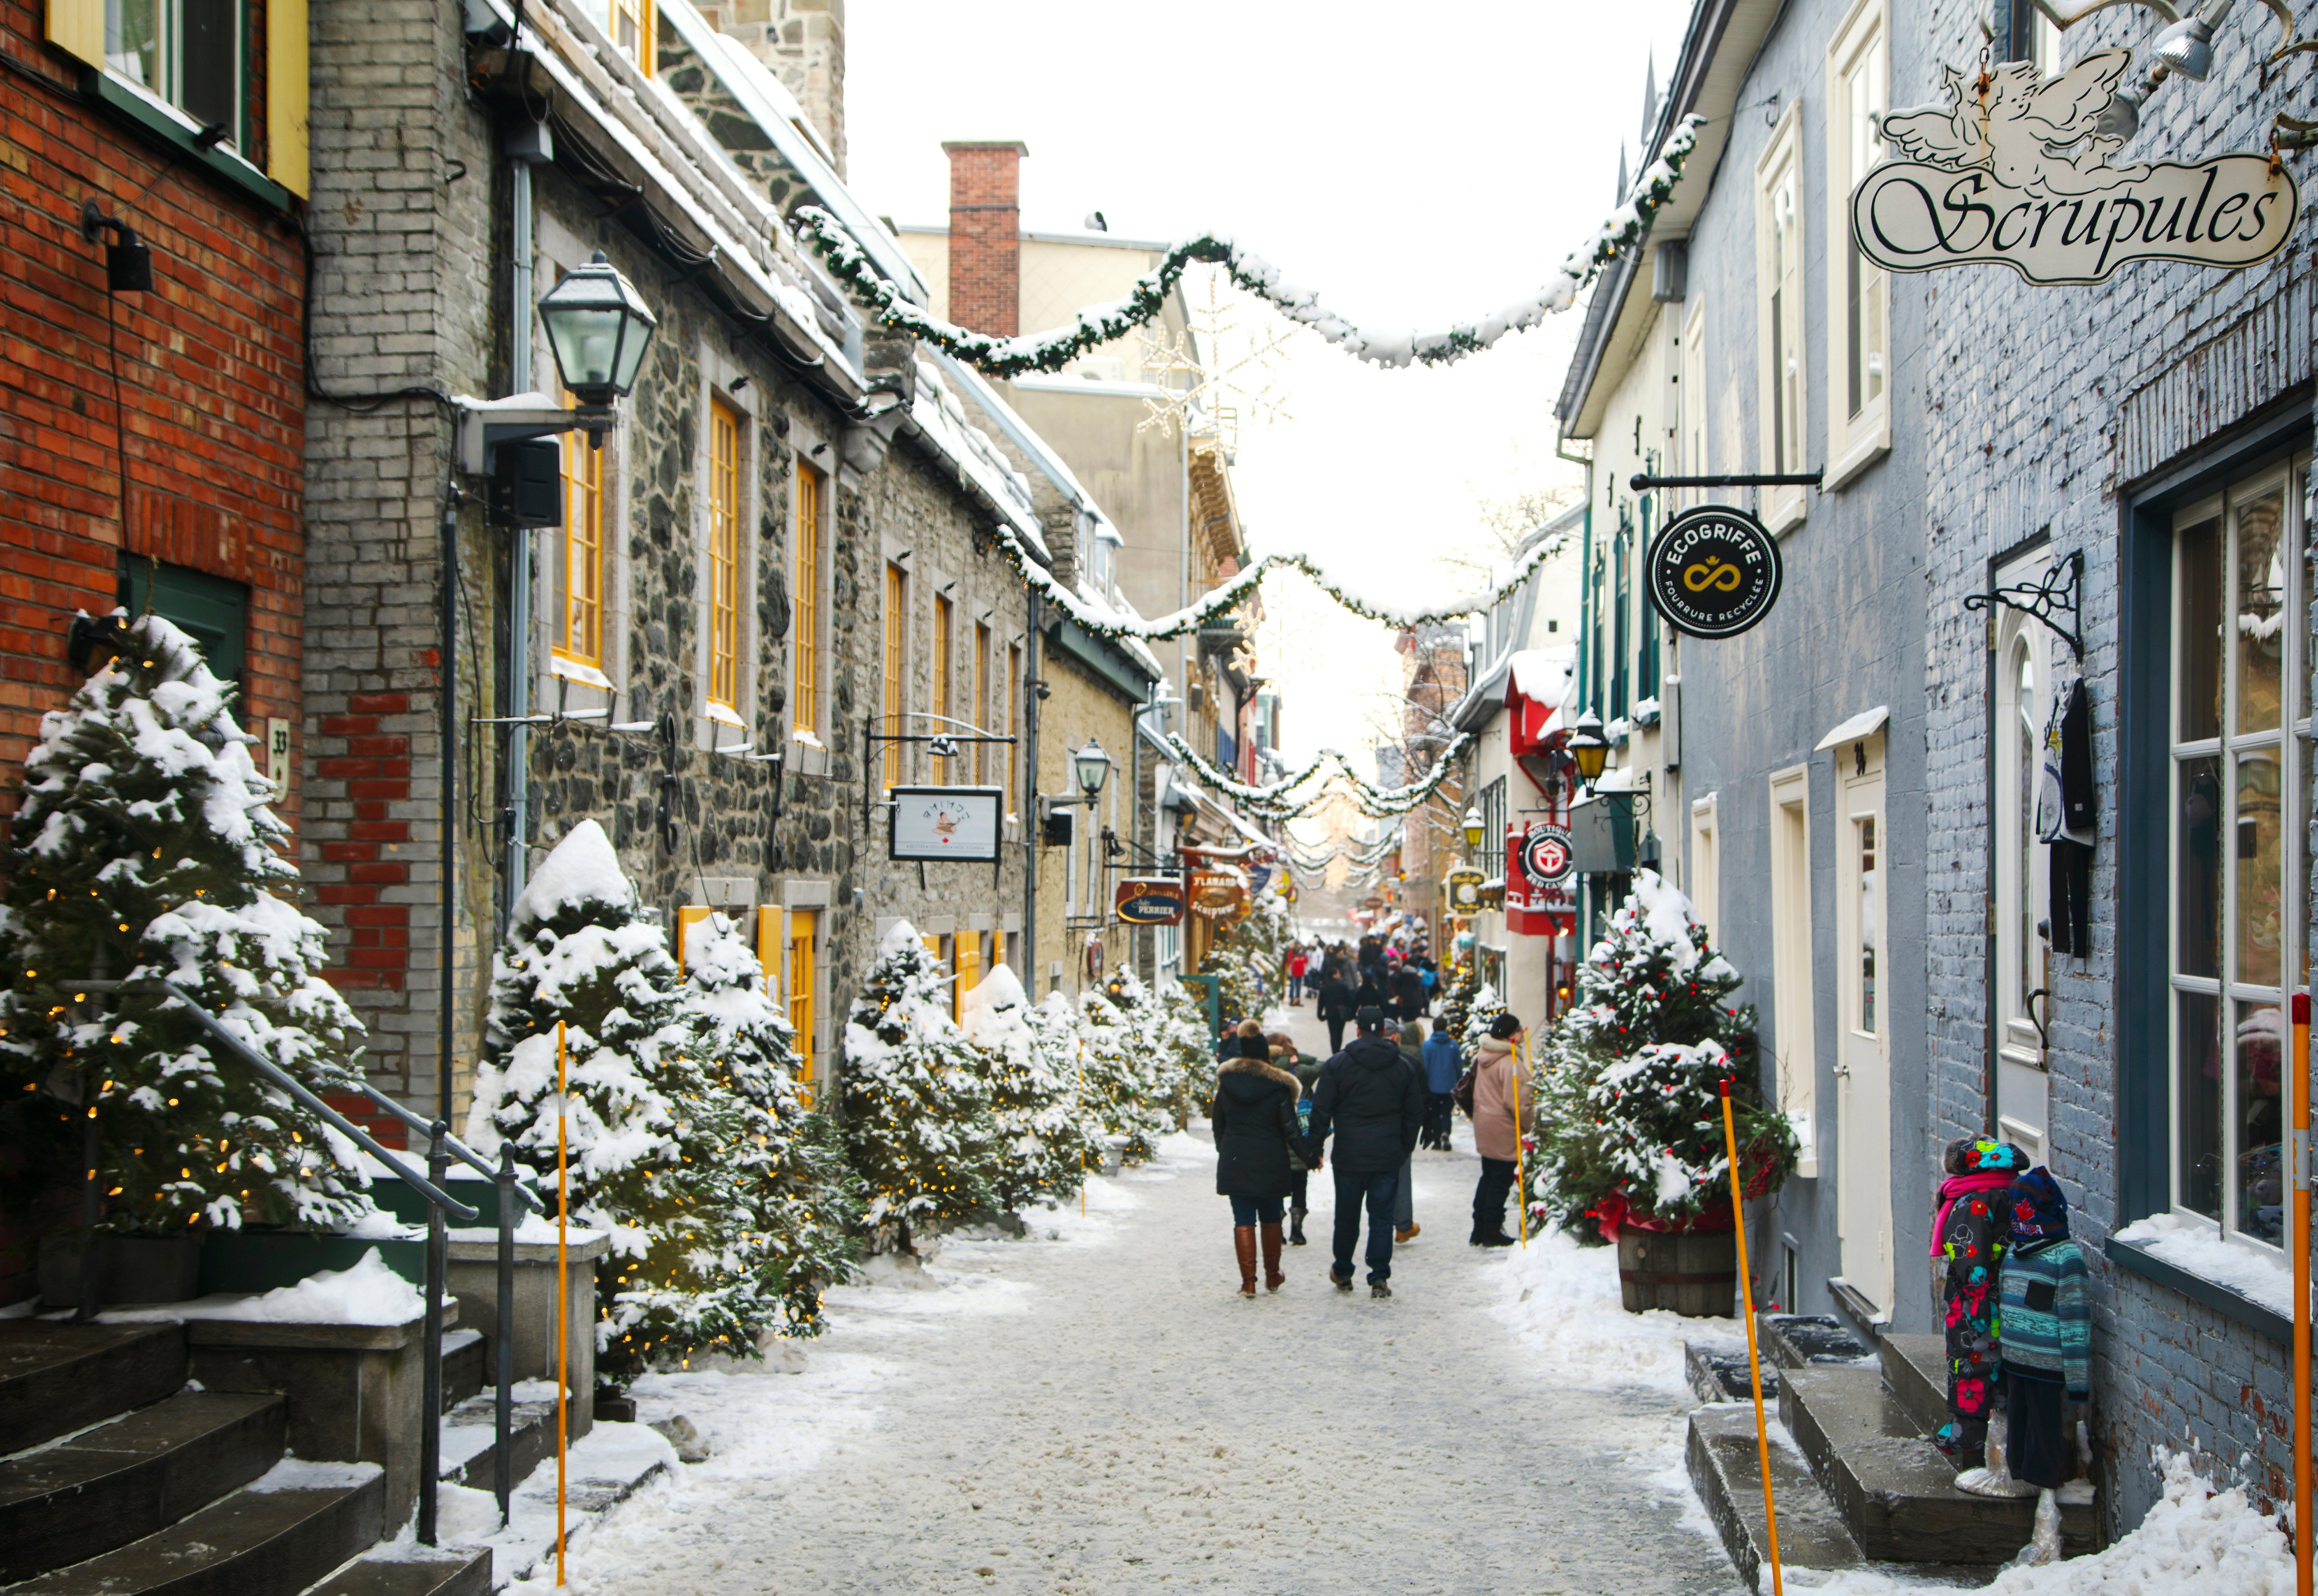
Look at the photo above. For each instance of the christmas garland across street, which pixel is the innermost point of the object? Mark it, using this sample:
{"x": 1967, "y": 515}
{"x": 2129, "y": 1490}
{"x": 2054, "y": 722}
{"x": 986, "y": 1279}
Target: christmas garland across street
{"x": 1220, "y": 601}
{"x": 1098, "y": 325}
{"x": 1273, "y": 802}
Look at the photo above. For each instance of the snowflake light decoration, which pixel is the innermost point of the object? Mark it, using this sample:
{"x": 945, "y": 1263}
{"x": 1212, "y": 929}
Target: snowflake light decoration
{"x": 1227, "y": 367}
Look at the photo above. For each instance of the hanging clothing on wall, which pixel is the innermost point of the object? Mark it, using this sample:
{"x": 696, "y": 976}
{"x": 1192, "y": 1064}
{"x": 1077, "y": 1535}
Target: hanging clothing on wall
{"x": 2067, "y": 818}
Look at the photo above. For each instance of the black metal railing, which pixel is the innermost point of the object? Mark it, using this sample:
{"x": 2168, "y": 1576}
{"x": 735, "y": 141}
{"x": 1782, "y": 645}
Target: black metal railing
{"x": 441, "y": 1149}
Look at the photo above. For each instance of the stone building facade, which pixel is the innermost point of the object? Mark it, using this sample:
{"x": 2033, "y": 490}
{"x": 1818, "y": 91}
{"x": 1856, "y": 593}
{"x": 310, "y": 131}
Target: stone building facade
{"x": 783, "y": 546}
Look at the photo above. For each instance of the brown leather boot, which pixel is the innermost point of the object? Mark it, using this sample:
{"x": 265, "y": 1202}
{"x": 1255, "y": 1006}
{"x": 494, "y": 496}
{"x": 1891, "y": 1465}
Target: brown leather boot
{"x": 1272, "y": 1279}
{"x": 1243, "y": 1244}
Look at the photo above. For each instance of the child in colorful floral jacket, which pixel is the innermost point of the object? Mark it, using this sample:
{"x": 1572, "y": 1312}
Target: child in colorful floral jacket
{"x": 1968, "y": 1241}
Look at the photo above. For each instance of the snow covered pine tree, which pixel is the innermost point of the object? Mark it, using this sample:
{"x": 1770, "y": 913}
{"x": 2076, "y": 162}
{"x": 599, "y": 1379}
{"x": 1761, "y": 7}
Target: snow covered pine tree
{"x": 1123, "y": 1092}
{"x": 1629, "y": 1086}
{"x": 676, "y": 1138}
{"x": 918, "y": 1127}
{"x": 1038, "y": 1148}
{"x": 144, "y": 847}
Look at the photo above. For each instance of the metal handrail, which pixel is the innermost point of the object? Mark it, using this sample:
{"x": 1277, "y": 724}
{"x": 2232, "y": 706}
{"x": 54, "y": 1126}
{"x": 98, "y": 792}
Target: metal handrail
{"x": 442, "y": 1147}
{"x": 267, "y": 1068}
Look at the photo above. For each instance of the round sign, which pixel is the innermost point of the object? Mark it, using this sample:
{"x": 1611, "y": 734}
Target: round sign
{"x": 1545, "y": 855}
{"x": 1713, "y": 572}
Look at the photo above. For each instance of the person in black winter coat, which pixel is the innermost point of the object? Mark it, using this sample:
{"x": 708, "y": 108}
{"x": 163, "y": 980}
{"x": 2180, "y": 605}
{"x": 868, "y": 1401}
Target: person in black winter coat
{"x": 1409, "y": 998}
{"x": 1372, "y": 1098}
{"x": 1256, "y": 1129}
{"x": 1337, "y": 1005}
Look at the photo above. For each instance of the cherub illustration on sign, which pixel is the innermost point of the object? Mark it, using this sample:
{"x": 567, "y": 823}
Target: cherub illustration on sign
{"x": 2038, "y": 136}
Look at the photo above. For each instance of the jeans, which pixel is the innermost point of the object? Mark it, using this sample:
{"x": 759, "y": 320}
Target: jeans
{"x": 1404, "y": 1207}
{"x": 1253, "y": 1211}
{"x": 1297, "y": 1198}
{"x": 1296, "y": 989}
{"x": 1378, "y": 1193}
{"x": 1336, "y": 1038}
{"x": 1440, "y": 1116}
{"x": 1489, "y": 1196}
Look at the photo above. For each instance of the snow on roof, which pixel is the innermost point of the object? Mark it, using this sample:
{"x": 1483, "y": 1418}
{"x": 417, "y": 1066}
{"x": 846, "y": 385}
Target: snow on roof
{"x": 1543, "y": 675}
{"x": 1864, "y": 724}
{"x": 942, "y": 418}
{"x": 583, "y": 869}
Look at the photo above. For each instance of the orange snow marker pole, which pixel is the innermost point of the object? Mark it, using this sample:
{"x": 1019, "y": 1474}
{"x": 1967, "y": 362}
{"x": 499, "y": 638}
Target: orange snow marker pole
{"x": 1521, "y": 1164}
{"x": 562, "y": 1283}
{"x": 1754, "y": 1360}
{"x": 1083, "y": 1166}
{"x": 2301, "y": 1244}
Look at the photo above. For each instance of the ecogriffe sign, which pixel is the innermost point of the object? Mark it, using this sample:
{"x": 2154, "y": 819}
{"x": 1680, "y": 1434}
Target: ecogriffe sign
{"x": 2019, "y": 174}
{"x": 1713, "y": 572}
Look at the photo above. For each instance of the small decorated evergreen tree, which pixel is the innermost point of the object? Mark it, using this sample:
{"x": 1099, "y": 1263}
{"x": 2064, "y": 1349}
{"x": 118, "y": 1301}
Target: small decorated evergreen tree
{"x": 917, "y": 1109}
{"x": 1125, "y": 1086}
{"x": 1237, "y": 993}
{"x": 1037, "y": 1147}
{"x": 579, "y": 950}
{"x": 144, "y": 847}
{"x": 1185, "y": 1053}
{"x": 1627, "y": 1085}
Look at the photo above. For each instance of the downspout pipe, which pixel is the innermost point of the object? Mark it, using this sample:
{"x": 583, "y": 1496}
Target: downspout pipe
{"x": 1030, "y": 817}
{"x": 519, "y": 576}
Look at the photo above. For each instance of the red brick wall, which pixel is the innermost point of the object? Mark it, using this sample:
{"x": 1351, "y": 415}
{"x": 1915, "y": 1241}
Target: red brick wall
{"x": 985, "y": 244}
{"x": 212, "y": 386}
{"x": 211, "y": 391}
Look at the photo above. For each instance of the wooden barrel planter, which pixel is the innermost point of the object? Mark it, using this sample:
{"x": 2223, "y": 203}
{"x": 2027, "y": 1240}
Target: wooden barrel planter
{"x": 1694, "y": 1273}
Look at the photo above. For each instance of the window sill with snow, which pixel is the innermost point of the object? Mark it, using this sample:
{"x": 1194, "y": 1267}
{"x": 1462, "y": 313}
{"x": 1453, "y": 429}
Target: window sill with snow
{"x": 2248, "y": 1284}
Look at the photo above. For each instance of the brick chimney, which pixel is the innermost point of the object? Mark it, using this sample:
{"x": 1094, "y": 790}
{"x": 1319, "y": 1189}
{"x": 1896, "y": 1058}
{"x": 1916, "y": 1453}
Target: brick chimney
{"x": 986, "y": 234}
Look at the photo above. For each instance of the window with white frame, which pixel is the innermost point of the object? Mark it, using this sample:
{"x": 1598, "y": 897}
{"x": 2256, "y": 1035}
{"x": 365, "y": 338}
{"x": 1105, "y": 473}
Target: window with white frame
{"x": 1705, "y": 862}
{"x": 2241, "y": 806}
{"x": 1793, "y": 1005}
{"x": 1779, "y": 311}
{"x": 1691, "y": 400}
{"x": 1859, "y": 310}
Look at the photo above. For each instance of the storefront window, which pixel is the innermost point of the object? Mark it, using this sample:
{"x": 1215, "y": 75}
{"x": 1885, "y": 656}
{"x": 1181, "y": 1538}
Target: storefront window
{"x": 2240, "y": 871}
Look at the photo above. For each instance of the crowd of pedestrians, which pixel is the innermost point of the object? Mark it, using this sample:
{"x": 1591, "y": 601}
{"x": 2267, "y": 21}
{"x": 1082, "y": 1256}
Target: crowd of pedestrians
{"x": 1380, "y": 1097}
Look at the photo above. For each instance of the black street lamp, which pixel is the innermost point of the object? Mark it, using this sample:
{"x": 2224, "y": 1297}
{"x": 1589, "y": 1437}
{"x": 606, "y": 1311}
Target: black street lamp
{"x": 1589, "y": 750}
{"x": 599, "y": 328}
{"x": 1093, "y": 765}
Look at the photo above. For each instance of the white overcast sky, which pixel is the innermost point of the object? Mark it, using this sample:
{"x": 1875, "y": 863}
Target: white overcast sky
{"x": 1417, "y": 166}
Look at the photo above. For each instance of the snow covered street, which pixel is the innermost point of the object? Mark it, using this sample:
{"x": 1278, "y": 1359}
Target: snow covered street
{"x": 1097, "y": 1410}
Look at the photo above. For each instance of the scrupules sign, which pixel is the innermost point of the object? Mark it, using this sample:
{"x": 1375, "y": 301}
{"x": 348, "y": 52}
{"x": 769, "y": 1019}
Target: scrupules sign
{"x": 2018, "y": 176}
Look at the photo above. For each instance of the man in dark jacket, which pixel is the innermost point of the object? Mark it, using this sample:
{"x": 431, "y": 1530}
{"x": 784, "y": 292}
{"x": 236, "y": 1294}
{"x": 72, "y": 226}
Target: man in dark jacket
{"x": 1335, "y": 1007}
{"x": 1373, "y": 1099}
{"x": 1409, "y": 998}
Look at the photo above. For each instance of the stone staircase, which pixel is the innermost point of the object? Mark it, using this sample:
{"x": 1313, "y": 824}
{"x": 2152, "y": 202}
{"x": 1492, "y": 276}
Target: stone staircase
{"x": 1856, "y": 1475}
{"x": 119, "y": 1479}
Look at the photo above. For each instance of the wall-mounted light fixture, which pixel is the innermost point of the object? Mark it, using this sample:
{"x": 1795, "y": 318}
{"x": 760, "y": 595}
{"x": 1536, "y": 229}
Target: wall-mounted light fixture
{"x": 128, "y": 260}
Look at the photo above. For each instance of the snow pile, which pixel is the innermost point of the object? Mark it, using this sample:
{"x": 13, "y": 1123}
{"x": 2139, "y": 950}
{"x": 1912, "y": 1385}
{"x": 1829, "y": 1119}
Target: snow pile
{"x": 2194, "y": 1539}
{"x": 2197, "y": 1247}
{"x": 368, "y": 1293}
{"x": 1563, "y": 1306}
{"x": 1666, "y": 914}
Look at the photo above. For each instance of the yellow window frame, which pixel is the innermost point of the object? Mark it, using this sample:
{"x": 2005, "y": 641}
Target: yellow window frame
{"x": 805, "y": 632}
{"x": 724, "y": 555}
{"x": 579, "y": 622}
{"x": 945, "y": 628}
{"x": 632, "y": 27}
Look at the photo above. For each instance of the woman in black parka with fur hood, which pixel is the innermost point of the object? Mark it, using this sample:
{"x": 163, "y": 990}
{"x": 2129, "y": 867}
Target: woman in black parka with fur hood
{"x": 1256, "y": 1129}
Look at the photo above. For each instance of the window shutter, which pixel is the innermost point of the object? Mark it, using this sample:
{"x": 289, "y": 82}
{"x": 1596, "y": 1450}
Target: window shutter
{"x": 285, "y": 89}
{"x": 76, "y": 27}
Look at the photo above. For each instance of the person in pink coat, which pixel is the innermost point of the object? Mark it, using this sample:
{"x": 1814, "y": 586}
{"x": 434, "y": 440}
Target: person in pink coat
{"x": 1497, "y": 1092}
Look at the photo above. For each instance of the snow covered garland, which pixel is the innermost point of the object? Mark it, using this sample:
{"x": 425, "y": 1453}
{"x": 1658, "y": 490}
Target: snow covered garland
{"x": 145, "y": 847}
{"x": 728, "y": 1204}
{"x": 1276, "y": 801}
{"x": 1098, "y": 325}
{"x": 1627, "y": 1088}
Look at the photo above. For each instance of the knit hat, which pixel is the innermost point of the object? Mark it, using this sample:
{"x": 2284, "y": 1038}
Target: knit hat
{"x": 2039, "y": 1212}
{"x": 1977, "y": 1155}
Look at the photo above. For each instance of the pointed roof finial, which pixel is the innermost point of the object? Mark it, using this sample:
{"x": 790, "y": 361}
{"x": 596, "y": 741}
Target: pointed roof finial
{"x": 1650, "y": 98}
{"x": 1622, "y": 172}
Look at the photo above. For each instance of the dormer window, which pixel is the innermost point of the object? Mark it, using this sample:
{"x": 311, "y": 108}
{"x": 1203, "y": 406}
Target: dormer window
{"x": 631, "y": 30}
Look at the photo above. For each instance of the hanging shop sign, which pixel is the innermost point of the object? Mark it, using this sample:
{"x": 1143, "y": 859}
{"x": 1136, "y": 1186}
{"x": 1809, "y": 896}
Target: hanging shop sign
{"x": 1714, "y": 571}
{"x": 1464, "y": 888}
{"x": 1149, "y": 900}
{"x": 1540, "y": 879}
{"x": 1217, "y": 891}
{"x": 2023, "y": 179}
{"x": 944, "y": 822}
{"x": 1258, "y": 877}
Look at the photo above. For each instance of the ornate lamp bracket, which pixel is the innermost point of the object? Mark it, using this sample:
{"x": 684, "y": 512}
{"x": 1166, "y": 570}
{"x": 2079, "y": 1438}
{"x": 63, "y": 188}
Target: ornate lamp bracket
{"x": 2046, "y": 601}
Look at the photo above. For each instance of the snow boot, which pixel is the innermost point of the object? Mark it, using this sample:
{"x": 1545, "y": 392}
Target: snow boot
{"x": 1407, "y": 1234}
{"x": 1493, "y": 1238}
{"x": 1343, "y": 1277}
{"x": 1272, "y": 1279}
{"x": 1379, "y": 1289}
{"x": 1243, "y": 1244}
{"x": 1296, "y": 1226}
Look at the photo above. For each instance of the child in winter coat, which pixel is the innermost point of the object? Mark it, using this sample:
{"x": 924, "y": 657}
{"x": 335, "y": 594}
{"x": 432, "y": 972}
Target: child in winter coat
{"x": 1969, "y": 1237}
{"x": 2047, "y": 1330}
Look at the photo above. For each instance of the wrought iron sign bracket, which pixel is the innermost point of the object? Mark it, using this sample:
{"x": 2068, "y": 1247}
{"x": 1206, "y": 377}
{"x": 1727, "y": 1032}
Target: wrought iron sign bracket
{"x": 2046, "y": 601}
{"x": 1643, "y": 481}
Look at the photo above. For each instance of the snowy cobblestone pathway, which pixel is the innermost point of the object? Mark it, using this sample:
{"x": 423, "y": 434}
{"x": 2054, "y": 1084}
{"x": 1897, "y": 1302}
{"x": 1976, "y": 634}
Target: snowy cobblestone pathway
{"x": 1104, "y": 1414}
